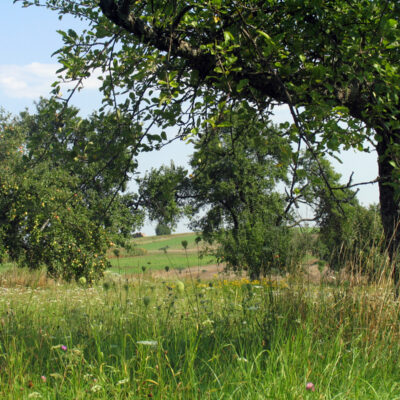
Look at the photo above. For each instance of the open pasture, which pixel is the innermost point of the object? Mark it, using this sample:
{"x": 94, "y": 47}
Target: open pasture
{"x": 161, "y": 252}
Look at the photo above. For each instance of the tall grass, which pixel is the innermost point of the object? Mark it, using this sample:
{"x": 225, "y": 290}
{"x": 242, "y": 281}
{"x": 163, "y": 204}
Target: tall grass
{"x": 223, "y": 340}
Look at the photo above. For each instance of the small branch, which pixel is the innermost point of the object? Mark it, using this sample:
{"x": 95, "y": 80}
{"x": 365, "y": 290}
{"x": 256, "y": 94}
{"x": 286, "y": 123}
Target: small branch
{"x": 350, "y": 185}
{"x": 297, "y": 223}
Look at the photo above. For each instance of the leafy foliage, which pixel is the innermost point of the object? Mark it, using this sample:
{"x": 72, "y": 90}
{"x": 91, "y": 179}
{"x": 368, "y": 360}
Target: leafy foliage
{"x": 162, "y": 229}
{"x": 157, "y": 194}
{"x": 347, "y": 230}
{"x": 231, "y": 192}
{"x": 234, "y": 180}
{"x": 51, "y": 214}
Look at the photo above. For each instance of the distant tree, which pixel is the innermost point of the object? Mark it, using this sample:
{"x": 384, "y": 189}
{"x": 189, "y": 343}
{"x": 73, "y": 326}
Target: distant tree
{"x": 232, "y": 194}
{"x": 346, "y": 228}
{"x": 157, "y": 194}
{"x": 162, "y": 229}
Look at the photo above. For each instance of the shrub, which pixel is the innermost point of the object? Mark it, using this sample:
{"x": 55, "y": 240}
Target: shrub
{"x": 354, "y": 236}
{"x": 162, "y": 229}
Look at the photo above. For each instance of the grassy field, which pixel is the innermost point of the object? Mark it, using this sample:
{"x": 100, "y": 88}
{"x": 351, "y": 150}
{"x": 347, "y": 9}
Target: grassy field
{"x": 171, "y": 242}
{"x": 135, "y": 337}
{"x": 154, "y": 262}
{"x": 145, "y": 339}
{"x": 161, "y": 252}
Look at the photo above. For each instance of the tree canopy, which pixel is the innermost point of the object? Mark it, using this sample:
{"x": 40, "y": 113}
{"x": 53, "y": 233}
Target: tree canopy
{"x": 60, "y": 204}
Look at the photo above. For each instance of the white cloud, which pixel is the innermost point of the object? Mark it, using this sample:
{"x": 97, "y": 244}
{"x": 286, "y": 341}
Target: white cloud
{"x": 34, "y": 80}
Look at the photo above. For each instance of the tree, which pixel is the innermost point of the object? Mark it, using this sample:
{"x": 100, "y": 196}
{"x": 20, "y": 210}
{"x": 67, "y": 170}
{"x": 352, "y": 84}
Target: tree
{"x": 234, "y": 181}
{"x": 51, "y": 214}
{"x": 157, "y": 196}
{"x": 96, "y": 151}
{"x": 334, "y": 62}
{"x": 231, "y": 192}
{"x": 162, "y": 229}
{"x": 346, "y": 228}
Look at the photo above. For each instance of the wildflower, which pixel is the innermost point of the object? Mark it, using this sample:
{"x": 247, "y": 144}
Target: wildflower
{"x": 96, "y": 388}
{"x": 123, "y": 381}
{"x": 63, "y": 347}
{"x": 310, "y": 386}
{"x": 43, "y": 378}
{"x": 180, "y": 286}
{"x": 34, "y": 395}
{"x": 147, "y": 342}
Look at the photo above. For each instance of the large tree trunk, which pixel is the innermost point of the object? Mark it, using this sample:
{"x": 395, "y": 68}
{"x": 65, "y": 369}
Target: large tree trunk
{"x": 389, "y": 204}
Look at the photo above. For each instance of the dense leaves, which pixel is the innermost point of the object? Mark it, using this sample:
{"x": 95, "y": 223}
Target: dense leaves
{"x": 347, "y": 230}
{"x": 56, "y": 208}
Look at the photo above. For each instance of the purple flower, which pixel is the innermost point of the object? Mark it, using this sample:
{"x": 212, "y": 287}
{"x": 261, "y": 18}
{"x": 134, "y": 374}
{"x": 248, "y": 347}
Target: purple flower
{"x": 63, "y": 347}
{"x": 310, "y": 386}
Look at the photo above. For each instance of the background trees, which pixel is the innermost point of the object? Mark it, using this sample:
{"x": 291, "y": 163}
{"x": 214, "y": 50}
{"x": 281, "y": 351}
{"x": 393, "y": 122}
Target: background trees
{"x": 234, "y": 193}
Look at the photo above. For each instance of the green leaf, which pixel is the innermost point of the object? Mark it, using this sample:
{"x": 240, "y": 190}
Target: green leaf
{"x": 228, "y": 36}
{"x": 242, "y": 84}
{"x": 72, "y": 34}
{"x": 267, "y": 38}
{"x": 392, "y": 23}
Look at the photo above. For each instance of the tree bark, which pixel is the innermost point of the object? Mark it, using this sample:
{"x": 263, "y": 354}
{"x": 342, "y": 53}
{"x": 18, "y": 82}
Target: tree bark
{"x": 389, "y": 203}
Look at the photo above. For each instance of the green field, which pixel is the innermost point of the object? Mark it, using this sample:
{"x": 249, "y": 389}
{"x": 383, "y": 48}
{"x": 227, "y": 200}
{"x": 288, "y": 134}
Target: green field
{"x": 162, "y": 251}
{"x": 154, "y": 262}
{"x": 172, "y": 242}
{"x": 137, "y": 337}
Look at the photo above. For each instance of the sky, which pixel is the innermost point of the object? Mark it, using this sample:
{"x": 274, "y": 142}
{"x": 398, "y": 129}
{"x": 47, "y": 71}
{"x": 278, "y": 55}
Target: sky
{"x": 27, "y": 69}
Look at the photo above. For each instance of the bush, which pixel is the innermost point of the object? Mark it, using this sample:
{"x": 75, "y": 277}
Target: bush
{"x": 353, "y": 236}
{"x": 162, "y": 229}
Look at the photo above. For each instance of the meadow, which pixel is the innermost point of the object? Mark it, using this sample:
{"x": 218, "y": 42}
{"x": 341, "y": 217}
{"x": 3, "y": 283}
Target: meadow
{"x": 158, "y": 252}
{"x": 142, "y": 337}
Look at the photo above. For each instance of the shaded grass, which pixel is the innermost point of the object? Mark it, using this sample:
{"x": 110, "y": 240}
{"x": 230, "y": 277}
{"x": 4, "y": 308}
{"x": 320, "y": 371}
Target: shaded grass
{"x": 223, "y": 340}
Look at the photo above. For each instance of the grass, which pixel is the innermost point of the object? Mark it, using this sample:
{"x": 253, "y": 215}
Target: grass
{"x": 140, "y": 338}
{"x": 143, "y": 339}
{"x": 172, "y": 242}
{"x": 155, "y": 262}
{"x": 162, "y": 251}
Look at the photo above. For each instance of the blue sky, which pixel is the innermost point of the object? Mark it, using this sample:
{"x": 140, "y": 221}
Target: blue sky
{"x": 27, "y": 70}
